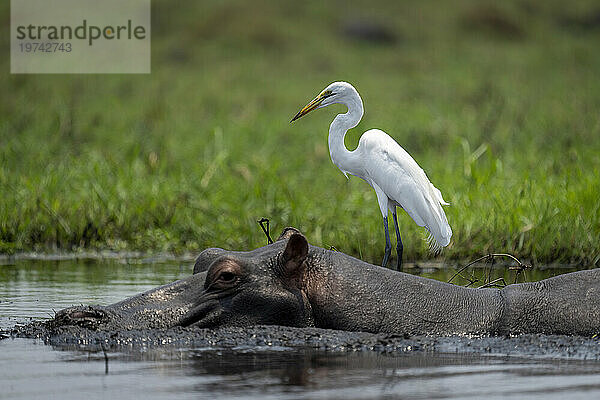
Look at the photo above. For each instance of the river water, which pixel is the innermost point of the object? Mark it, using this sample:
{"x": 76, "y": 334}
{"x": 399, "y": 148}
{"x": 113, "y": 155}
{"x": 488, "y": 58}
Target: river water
{"x": 30, "y": 369}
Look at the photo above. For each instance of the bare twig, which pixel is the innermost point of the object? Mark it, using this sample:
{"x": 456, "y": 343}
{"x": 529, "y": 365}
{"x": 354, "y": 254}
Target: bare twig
{"x": 467, "y": 266}
{"x": 471, "y": 281}
{"x": 500, "y": 282}
{"x": 262, "y": 222}
{"x": 520, "y": 267}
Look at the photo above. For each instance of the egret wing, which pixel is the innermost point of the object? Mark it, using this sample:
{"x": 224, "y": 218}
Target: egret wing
{"x": 405, "y": 183}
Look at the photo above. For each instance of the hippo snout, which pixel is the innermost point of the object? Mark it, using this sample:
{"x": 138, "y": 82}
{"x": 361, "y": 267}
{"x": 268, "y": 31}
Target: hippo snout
{"x": 90, "y": 317}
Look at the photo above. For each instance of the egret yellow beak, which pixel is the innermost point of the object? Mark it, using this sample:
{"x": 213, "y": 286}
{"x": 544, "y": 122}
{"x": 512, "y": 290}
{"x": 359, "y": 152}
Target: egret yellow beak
{"x": 315, "y": 103}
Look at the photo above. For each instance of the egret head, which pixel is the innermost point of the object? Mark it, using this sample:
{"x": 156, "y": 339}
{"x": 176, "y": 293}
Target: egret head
{"x": 335, "y": 93}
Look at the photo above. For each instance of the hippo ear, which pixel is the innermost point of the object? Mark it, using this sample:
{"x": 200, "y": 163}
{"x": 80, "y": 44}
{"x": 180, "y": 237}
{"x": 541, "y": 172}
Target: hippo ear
{"x": 293, "y": 257}
{"x": 287, "y": 232}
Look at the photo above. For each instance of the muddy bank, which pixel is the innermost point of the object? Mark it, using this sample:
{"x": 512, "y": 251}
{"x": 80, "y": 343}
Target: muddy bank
{"x": 279, "y": 338}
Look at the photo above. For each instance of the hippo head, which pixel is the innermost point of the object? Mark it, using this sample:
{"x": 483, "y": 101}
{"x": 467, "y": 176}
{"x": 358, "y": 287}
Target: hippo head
{"x": 228, "y": 288}
{"x": 264, "y": 286}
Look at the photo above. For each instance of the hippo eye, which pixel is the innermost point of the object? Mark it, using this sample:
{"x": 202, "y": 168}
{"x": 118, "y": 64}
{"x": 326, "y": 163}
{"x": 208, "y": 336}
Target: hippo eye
{"x": 227, "y": 277}
{"x": 223, "y": 274}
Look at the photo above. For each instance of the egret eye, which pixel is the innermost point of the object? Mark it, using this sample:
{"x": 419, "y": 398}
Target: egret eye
{"x": 327, "y": 93}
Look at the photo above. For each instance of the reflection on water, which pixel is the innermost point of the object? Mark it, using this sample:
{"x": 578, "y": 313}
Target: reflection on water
{"x": 288, "y": 374}
{"x": 31, "y": 369}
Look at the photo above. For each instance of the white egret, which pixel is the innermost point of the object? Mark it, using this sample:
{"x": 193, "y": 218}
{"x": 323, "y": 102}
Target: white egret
{"x": 394, "y": 175}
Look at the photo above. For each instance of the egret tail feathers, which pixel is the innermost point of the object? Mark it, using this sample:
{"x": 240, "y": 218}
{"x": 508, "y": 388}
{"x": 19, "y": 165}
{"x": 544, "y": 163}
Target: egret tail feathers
{"x": 439, "y": 235}
{"x": 430, "y": 212}
{"x": 438, "y": 196}
{"x": 434, "y": 246}
{"x": 438, "y": 227}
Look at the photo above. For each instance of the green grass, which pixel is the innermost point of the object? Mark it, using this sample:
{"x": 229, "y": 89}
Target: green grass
{"x": 498, "y": 102}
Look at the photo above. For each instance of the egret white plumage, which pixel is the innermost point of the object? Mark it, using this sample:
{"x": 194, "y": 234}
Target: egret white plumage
{"x": 394, "y": 175}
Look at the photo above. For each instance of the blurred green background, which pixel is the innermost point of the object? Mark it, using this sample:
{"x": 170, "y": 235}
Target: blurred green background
{"x": 497, "y": 101}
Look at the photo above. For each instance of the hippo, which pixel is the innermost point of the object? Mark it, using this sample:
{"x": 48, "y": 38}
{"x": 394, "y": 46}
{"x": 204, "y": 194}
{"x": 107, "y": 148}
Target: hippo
{"x": 292, "y": 283}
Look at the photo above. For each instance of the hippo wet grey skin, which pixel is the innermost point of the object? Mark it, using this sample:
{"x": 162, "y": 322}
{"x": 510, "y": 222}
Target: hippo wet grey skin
{"x": 292, "y": 283}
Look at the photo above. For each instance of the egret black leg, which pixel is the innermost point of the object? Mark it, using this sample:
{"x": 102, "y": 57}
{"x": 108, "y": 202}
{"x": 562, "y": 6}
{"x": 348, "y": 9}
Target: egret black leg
{"x": 388, "y": 244}
{"x": 399, "y": 247}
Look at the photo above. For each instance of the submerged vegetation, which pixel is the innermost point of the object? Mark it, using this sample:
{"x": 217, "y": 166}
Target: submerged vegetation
{"x": 498, "y": 102}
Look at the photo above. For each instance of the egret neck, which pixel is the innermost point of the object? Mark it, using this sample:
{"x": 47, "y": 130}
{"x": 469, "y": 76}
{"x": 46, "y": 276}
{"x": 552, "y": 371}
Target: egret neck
{"x": 347, "y": 161}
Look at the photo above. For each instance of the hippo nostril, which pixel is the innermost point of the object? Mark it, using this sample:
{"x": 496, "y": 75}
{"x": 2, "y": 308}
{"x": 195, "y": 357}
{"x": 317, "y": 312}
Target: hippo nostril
{"x": 87, "y": 317}
{"x": 83, "y": 315}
